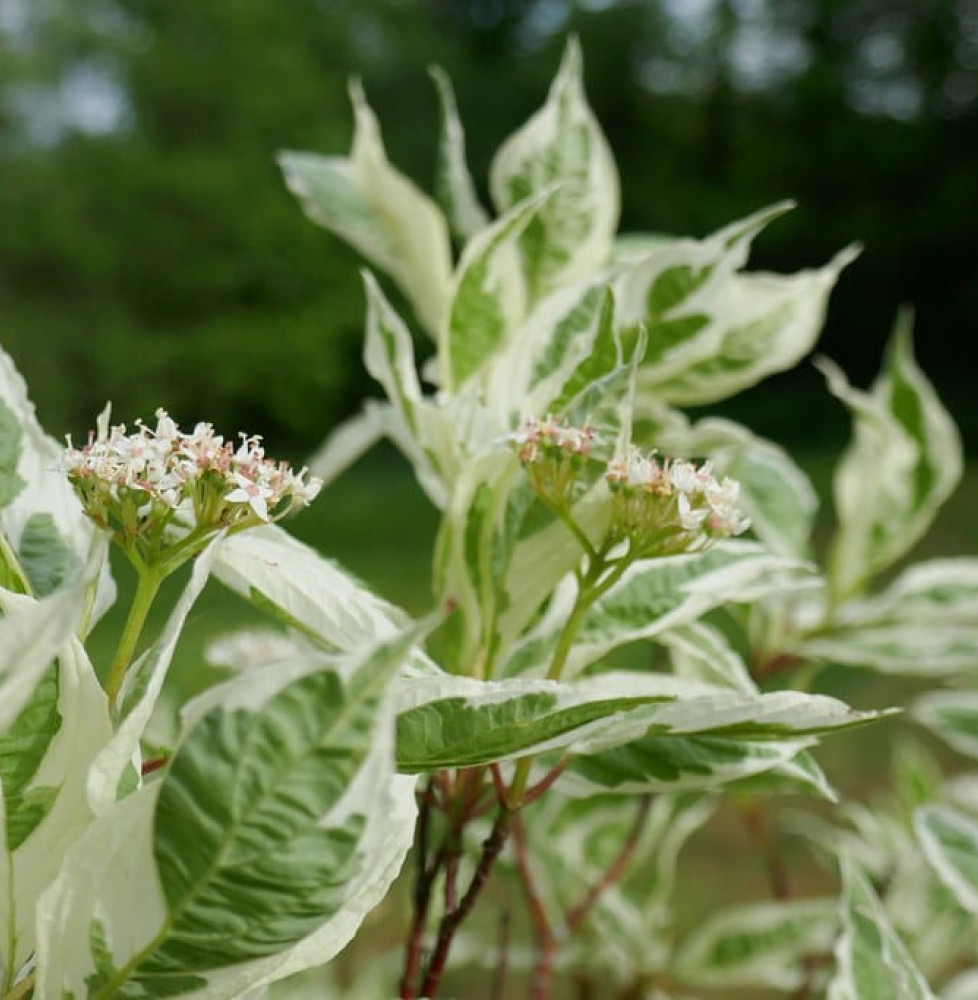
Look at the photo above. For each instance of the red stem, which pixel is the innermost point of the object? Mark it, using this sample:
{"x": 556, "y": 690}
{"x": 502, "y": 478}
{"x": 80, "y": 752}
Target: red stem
{"x": 422, "y": 895}
{"x": 452, "y": 921}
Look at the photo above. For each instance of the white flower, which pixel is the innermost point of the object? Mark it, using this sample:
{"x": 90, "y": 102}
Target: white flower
{"x": 254, "y": 494}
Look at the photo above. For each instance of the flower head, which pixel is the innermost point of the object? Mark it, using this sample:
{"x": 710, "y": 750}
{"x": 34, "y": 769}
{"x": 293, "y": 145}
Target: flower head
{"x": 140, "y": 485}
{"x": 671, "y": 505}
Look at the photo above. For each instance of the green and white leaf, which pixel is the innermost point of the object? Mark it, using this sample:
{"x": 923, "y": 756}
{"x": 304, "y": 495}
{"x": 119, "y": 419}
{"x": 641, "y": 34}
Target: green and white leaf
{"x": 949, "y": 840}
{"x": 304, "y": 590}
{"x": 680, "y": 290}
{"x": 32, "y": 633}
{"x": 40, "y": 517}
{"x": 453, "y": 183}
{"x": 654, "y": 595}
{"x": 871, "y": 959}
{"x": 699, "y": 651}
{"x": 488, "y": 296}
{"x": 377, "y": 210}
{"x": 276, "y": 826}
{"x": 903, "y": 463}
{"x": 141, "y": 691}
{"x": 935, "y": 592}
{"x": 458, "y": 721}
{"x": 759, "y": 945}
{"x": 913, "y": 649}
{"x": 669, "y": 764}
{"x": 561, "y": 144}
{"x": 45, "y": 753}
{"x": 758, "y": 324}
{"x": 953, "y": 716}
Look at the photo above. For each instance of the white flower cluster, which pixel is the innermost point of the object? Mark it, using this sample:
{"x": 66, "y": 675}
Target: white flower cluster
{"x": 548, "y": 437}
{"x": 699, "y": 502}
{"x": 122, "y": 476}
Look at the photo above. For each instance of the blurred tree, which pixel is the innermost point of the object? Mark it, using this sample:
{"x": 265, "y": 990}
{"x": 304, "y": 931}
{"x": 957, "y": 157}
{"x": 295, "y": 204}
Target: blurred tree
{"x": 147, "y": 242}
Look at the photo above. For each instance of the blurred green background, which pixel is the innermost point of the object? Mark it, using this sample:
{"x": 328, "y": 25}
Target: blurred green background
{"x": 150, "y": 254}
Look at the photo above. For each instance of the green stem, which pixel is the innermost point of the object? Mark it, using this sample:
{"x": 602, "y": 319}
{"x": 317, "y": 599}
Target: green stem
{"x": 8, "y": 559}
{"x": 146, "y": 590}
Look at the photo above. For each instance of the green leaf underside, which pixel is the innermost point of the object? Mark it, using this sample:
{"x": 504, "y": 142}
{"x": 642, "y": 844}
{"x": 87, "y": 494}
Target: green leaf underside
{"x": 452, "y": 733}
{"x": 690, "y": 761}
{"x": 46, "y": 557}
{"x": 245, "y": 865}
{"x": 10, "y": 441}
{"x": 22, "y": 749}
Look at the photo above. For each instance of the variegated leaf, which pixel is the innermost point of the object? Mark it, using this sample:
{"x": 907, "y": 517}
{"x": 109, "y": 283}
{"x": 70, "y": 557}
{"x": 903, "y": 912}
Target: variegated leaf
{"x": 380, "y": 212}
{"x": 488, "y": 298}
{"x": 760, "y": 945}
{"x": 936, "y": 592}
{"x": 561, "y": 144}
{"x": 871, "y": 959}
{"x": 949, "y": 840}
{"x": 758, "y": 324}
{"x": 903, "y": 463}
{"x": 304, "y": 590}
{"x": 45, "y": 538}
{"x": 454, "y": 186}
{"x": 913, "y": 649}
{"x": 680, "y": 290}
{"x": 654, "y": 595}
{"x": 952, "y": 715}
{"x": 46, "y": 747}
{"x": 275, "y": 827}
{"x": 453, "y": 721}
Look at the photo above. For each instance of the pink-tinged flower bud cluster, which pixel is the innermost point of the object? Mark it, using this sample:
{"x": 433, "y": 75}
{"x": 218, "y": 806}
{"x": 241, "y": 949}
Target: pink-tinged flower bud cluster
{"x": 549, "y": 438}
{"x": 136, "y": 485}
{"x": 672, "y": 505}
{"x": 553, "y": 454}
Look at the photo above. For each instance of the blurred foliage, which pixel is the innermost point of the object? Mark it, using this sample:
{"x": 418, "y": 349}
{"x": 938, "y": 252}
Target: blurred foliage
{"x": 150, "y": 254}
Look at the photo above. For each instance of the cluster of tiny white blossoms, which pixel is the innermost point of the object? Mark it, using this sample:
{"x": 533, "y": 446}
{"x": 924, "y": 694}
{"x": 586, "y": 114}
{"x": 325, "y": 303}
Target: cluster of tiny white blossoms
{"x": 135, "y": 484}
{"x": 673, "y": 502}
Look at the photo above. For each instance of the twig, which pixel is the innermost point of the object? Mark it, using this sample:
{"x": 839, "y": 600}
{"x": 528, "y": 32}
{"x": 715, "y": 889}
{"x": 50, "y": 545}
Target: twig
{"x": 452, "y": 921}
{"x": 550, "y": 940}
{"x": 424, "y": 881}
{"x": 502, "y": 965}
{"x": 615, "y": 870}
{"x": 538, "y": 915}
{"x": 535, "y": 791}
{"x": 753, "y": 817}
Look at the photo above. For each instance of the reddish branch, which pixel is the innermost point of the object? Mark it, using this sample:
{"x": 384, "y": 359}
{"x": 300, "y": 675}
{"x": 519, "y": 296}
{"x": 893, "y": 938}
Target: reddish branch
{"x": 549, "y": 939}
{"x": 753, "y": 817}
{"x": 453, "y": 920}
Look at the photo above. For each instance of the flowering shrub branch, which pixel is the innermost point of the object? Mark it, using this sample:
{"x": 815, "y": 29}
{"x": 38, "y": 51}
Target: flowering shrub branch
{"x": 251, "y": 845}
